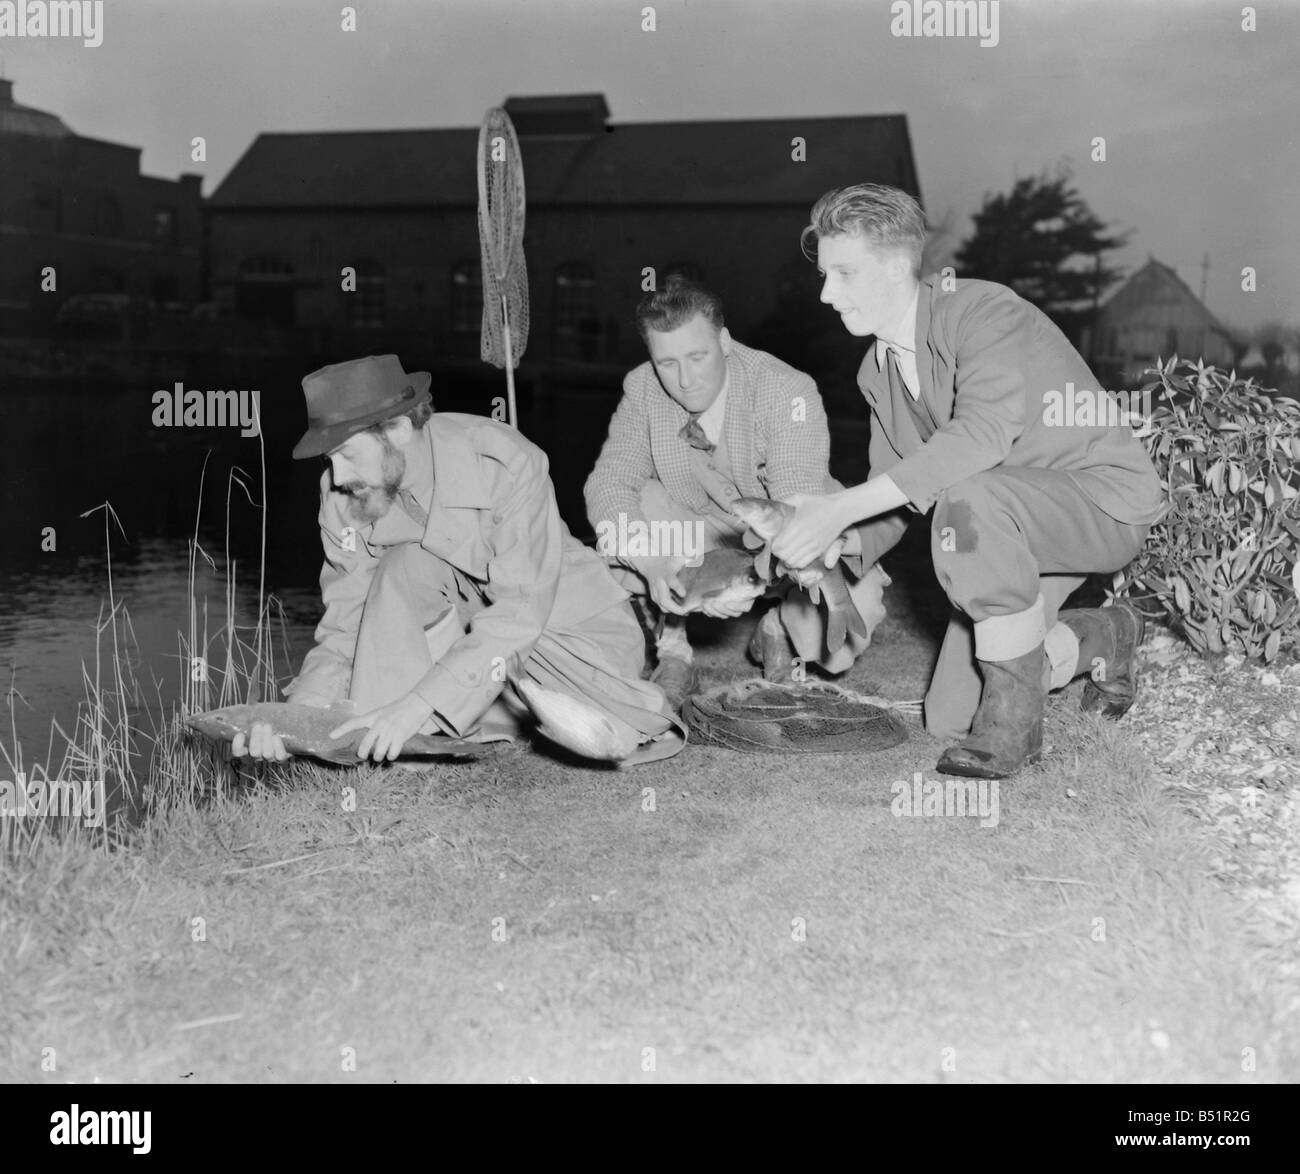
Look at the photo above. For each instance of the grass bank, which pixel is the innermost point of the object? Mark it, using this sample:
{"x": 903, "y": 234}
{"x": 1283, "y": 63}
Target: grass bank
{"x": 713, "y": 917}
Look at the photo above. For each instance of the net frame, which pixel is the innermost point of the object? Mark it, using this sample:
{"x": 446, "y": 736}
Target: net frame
{"x": 501, "y": 208}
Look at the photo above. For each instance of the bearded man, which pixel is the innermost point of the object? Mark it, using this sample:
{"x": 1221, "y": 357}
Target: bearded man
{"x": 449, "y": 576}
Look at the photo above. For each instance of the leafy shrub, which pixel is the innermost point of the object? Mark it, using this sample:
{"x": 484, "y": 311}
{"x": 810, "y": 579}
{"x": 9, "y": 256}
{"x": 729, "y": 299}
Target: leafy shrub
{"x": 1221, "y": 563}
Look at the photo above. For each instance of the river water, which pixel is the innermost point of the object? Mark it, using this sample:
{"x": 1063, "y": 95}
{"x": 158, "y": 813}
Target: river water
{"x": 77, "y": 447}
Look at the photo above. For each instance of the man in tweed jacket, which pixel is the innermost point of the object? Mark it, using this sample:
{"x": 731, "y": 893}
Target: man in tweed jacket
{"x": 704, "y": 422}
{"x": 968, "y": 384}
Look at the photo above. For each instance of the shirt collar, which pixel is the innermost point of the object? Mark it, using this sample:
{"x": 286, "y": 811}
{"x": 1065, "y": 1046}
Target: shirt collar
{"x": 718, "y": 408}
{"x": 906, "y": 331}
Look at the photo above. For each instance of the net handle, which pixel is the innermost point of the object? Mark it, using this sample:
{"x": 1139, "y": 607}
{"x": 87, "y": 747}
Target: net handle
{"x": 486, "y": 231}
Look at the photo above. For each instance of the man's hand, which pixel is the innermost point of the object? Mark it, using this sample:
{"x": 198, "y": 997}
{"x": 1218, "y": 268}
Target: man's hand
{"x": 262, "y": 743}
{"x": 390, "y": 726}
{"x": 727, "y": 611}
{"x": 814, "y": 533}
{"x": 660, "y": 575}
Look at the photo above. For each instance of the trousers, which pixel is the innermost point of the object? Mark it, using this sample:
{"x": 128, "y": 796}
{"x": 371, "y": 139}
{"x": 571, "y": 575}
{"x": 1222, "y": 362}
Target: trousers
{"x": 419, "y": 605}
{"x": 1009, "y": 546}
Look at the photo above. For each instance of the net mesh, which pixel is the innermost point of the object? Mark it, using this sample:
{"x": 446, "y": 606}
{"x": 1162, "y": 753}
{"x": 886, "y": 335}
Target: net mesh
{"x": 501, "y": 240}
{"x": 813, "y": 717}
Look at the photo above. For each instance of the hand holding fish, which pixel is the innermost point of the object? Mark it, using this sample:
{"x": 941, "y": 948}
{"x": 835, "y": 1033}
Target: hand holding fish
{"x": 660, "y": 575}
{"x": 814, "y": 534}
{"x": 389, "y": 727}
{"x": 721, "y": 609}
{"x": 263, "y": 742}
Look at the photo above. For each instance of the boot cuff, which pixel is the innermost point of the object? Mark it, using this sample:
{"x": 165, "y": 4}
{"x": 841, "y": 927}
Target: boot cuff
{"x": 1010, "y": 636}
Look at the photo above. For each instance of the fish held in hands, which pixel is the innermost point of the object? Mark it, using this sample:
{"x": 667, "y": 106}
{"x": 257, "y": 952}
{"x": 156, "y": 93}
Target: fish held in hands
{"x": 725, "y": 576}
{"x": 766, "y": 518}
{"x": 305, "y": 730}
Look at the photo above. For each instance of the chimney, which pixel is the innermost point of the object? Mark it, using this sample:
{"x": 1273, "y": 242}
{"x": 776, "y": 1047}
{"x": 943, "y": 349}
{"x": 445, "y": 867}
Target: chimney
{"x": 564, "y": 115}
{"x": 6, "y": 92}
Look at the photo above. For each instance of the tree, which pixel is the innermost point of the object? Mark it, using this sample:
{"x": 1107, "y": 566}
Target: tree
{"x": 1044, "y": 242}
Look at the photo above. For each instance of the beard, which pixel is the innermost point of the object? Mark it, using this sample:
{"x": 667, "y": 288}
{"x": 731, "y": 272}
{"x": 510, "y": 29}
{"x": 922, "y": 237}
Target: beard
{"x": 368, "y": 503}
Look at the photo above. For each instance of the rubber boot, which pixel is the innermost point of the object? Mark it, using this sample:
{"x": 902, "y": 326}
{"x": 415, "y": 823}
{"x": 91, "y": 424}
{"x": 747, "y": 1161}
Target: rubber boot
{"x": 1007, "y": 732}
{"x": 1109, "y": 638}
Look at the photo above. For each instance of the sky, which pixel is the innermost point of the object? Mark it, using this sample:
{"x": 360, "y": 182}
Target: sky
{"x": 1201, "y": 119}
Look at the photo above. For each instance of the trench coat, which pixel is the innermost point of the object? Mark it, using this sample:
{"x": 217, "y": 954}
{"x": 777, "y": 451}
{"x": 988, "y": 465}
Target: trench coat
{"x": 493, "y": 521}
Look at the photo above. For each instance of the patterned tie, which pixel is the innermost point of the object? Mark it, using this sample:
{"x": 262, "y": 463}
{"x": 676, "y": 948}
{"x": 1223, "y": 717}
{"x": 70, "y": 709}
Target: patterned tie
{"x": 695, "y": 436}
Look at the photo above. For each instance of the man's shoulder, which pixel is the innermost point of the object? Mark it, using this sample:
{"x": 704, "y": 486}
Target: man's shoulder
{"x": 954, "y": 298}
{"x": 481, "y": 431}
{"x": 762, "y": 363}
{"x": 640, "y": 379}
{"x": 484, "y": 435}
{"x": 765, "y": 373}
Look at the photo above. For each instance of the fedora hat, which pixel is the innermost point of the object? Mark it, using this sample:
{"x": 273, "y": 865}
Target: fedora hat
{"x": 344, "y": 398}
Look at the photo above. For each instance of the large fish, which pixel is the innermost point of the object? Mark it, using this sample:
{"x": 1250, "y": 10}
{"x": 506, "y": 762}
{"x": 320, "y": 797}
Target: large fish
{"x": 725, "y": 576}
{"x": 766, "y": 519}
{"x": 577, "y": 725}
{"x": 306, "y": 729}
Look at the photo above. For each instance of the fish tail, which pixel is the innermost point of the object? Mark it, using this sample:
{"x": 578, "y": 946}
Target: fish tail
{"x": 836, "y": 628}
{"x": 842, "y": 614}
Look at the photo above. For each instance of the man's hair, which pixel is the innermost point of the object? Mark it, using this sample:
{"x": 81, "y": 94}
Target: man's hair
{"x": 418, "y": 415}
{"x": 675, "y": 305}
{"x": 886, "y": 217}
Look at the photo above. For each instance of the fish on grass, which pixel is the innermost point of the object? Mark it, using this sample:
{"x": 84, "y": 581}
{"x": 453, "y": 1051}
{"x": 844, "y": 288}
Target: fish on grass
{"x": 305, "y": 729}
{"x": 766, "y": 519}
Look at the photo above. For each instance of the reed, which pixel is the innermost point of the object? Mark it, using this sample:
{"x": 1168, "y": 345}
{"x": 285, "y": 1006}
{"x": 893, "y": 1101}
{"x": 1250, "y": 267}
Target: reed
{"x": 149, "y": 763}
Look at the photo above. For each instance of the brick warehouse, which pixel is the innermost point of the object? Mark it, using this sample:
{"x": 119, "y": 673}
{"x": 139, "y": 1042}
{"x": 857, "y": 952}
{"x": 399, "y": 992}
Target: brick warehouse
{"x": 724, "y": 200}
{"x": 81, "y": 206}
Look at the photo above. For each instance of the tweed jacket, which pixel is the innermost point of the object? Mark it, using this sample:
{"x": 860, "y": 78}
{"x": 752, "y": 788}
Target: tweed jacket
{"x": 989, "y": 365}
{"x": 493, "y": 516}
{"x": 775, "y": 429}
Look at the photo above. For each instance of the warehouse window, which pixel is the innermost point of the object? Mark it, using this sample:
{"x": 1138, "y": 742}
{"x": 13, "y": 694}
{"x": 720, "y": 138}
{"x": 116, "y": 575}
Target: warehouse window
{"x": 164, "y": 224}
{"x": 49, "y": 207}
{"x": 466, "y": 297}
{"x": 367, "y": 304}
{"x": 577, "y": 329}
{"x": 108, "y": 215}
{"x": 266, "y": 289}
